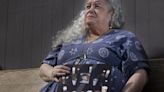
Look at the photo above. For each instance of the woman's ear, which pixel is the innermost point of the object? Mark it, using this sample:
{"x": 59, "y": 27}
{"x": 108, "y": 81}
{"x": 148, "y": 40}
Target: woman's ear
{"x": 111, "y": 12}
{"x": 110, "y": 16}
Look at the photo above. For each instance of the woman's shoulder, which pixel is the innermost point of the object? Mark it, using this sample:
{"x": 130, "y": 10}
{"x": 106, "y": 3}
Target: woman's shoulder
{"x": 120, "y": 36}
{"x": 123, "y": 33}
{"x": 79, "y": 40}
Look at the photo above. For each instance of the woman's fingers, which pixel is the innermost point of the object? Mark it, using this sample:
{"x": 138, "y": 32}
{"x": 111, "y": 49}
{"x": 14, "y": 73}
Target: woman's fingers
{"x": 59, "y": 74}
{"x": 56, "y": 76}
{"x": 59, "y": 71}
{"x": 63, "y": 71}
{"x": 62, "y": 67}
{"x": 55, "y": 79}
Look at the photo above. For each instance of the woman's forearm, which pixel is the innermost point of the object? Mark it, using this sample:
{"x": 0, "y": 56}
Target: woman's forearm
{"x": 45, "y": 72}
{"x": 136, "y": 82}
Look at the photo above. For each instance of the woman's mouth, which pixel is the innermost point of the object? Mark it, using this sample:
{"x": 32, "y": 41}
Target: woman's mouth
{"x": 91, "y": 15}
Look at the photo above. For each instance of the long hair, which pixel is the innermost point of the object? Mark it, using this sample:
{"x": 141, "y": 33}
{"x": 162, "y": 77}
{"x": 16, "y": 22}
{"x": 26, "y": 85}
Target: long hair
{"x": 77, "y": 28}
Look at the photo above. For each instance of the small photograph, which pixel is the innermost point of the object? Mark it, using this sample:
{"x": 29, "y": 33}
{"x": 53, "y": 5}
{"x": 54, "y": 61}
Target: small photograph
{"x": 85, "y": 78}
{"x": 95, "y": 80}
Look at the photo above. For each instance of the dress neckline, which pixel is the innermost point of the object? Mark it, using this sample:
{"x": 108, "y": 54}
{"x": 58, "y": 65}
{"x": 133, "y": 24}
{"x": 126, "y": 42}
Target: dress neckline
{"x": 106, "y": 33}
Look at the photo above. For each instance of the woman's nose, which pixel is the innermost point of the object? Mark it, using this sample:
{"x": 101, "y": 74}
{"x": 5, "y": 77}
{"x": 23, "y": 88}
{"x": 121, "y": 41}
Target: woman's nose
{"x": 91, "y": 9}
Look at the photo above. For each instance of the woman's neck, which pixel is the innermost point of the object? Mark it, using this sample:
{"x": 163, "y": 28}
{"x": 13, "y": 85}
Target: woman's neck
{"x": 93, "y": 35}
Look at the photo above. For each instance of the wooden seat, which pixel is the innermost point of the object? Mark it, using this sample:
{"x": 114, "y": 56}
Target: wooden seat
{"x": 20, "y": 80}
{"x": 28, "y": 80}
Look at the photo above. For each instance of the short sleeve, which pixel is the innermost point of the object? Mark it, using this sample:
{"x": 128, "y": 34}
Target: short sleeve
{"x": 133, "y": 56}
{"x": 51, "y": 58}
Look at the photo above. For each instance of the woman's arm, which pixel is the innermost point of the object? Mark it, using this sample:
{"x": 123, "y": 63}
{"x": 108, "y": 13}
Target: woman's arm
{"x": 49, "y": 73}
{"x": 46, "y": 72}
{"x": 136, "y": 82}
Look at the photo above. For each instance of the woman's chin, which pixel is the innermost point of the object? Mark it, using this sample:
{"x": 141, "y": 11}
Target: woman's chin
{"x": 90, "y": 22}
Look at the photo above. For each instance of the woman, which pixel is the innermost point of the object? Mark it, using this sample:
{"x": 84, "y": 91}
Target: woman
{"x": 97, "y": 36}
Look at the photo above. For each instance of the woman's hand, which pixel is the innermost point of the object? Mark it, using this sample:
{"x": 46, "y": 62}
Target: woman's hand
{"x": 49, "y": 73}
{"x": 58, "y": 71}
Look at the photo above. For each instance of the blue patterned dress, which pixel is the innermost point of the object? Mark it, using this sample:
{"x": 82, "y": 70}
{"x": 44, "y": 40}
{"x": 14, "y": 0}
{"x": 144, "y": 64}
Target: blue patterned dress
{"x": 119, "y": 48}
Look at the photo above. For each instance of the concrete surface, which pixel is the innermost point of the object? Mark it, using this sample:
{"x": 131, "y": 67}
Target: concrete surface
{"x": 21, "y": 80}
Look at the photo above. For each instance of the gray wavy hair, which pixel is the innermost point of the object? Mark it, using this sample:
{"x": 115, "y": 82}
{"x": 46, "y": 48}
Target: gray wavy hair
{"x": 77, "y": 28}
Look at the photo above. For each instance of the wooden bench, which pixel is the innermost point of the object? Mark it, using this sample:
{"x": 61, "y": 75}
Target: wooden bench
{"x": 27, "y": 80}
{"x": 20, "y": 80}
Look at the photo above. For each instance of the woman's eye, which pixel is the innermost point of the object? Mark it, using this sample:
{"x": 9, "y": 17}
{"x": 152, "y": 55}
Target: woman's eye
{"x": 88, "y": 6}
{"x": 97, "y": 6}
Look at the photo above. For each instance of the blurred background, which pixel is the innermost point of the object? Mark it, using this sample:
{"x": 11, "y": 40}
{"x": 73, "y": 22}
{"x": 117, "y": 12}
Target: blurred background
{"x": 27, "y": 27}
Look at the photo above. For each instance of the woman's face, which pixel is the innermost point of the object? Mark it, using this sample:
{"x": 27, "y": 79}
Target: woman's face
{"x": 97, "y": 13}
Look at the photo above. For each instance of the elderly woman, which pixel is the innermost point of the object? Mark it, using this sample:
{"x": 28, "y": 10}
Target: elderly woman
{"x": 96, "y": 35}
